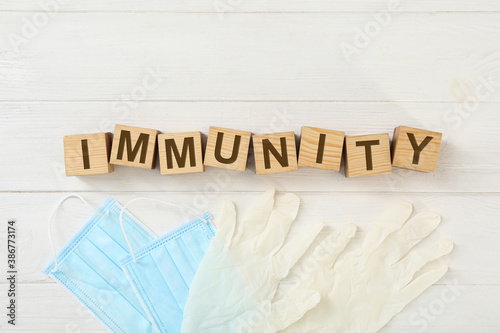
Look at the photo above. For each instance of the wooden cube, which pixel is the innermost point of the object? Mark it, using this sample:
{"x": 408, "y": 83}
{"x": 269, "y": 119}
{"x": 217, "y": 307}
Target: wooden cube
{"x": 87, "y": 154}
{"x": 367, "y": 155}
{"x": 321, "y": 148}
{"x": 415, "y": 149}
{"x": 227, "y": 148}
{"x": 275, "y": 153}
{"x": 180, "y": 153}
{"x": 134, "y": 146}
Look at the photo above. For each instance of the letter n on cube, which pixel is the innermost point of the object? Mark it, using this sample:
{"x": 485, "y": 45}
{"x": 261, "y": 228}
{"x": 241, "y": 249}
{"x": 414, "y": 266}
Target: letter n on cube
{"x": 275, "y": 153}
{"x": 367, "y": 155}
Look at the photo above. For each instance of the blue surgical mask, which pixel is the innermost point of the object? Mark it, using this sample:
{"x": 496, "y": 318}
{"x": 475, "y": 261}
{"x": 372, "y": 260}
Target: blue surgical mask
{"x": 88, "y": 267}
{"x": 161, "y": 272}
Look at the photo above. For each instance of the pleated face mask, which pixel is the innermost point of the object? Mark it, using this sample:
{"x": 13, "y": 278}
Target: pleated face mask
{"x": 88, "y": 267}
{"x": 161, "y": 271}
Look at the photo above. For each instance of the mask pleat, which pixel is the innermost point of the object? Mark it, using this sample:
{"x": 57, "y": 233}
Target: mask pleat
{"x": 197, "y": 243}
{"x": 171, "y": 274}
{"x": 182, "y": 255}
{"x": 108, "y": 244}
{"x": 111, "y": 225}
{"x": 89, "y": 266}
{"x": 81, "y": 276}
{"x": 162, "y": 304}
{"x": 164, "y": 270}
{"x": 109, "y": 270}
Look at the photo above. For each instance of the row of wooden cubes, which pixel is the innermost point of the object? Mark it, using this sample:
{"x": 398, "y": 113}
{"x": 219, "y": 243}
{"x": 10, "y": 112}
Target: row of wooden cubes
{"x": 90, "y": 154}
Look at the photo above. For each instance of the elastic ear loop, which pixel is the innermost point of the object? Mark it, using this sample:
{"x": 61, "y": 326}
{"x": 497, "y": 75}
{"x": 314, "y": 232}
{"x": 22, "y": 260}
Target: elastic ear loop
{"x": 160, "y": 201}
{"x": 52, "y": 217}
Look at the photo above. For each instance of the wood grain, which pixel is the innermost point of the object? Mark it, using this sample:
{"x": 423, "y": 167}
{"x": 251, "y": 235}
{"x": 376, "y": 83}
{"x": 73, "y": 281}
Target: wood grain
{"x": 262, "y": 67}
{"x": 419, "y": 155}
{"x": 257, "y": 6}
{"x": 95, "y": 159}
{"x": 42, "y": 301}
{"x": 367, "y": 155}
{"x": 138, "y": 151}
{"x": 264, "y": 57}
{"x": 327, "y": 155}
{"x": 465, "y": 165}
{"x": 227, "y": 149}
{"x": 275, "y": 153}
{"x": 473, "y": 263}
{"x": 191, "y": 163}
{"x": 466, "y": 220}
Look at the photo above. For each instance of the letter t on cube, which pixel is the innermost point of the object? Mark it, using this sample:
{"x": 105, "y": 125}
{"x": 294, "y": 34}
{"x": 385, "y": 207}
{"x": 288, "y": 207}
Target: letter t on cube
{"x": 367, "y": 155}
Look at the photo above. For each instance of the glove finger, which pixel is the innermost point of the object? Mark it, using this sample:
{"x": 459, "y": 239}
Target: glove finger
{"x": 417, "y": 259}
{"x": 226, "y": 224}
{"x": 293, "y": 249}
{"x": 290, "y": 309}
{"x": 255, "y": 219}
{"x": 391, "y": 222}
{"x": 332, "y": 246}
{"x": 409, "y": 293}
{"x": 282, "y": 216}
{"x": 397, "y": 244}
{"x": 421, "y": 283}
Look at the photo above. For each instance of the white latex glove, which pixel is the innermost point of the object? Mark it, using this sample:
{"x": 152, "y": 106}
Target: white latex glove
{"x": 368, "y": 285}
{"x": 233, "y": 289}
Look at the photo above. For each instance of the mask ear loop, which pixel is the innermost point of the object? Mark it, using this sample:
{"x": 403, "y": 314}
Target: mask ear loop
{"x": 52, "y": 217}
{"x": 160, "y": 201}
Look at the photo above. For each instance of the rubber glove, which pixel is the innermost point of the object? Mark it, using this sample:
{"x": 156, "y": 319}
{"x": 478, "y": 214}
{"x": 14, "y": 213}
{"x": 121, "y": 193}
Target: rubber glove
{"x": 367, "y": 285}
{"x": 233, "y": 289}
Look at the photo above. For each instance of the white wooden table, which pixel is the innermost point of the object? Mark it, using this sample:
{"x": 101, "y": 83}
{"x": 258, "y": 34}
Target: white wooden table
{"x": 262, "y": 66}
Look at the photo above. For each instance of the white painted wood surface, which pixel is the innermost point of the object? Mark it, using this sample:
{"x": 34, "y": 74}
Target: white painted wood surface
{"x": 273, "y": 56}
{"x": 264, "y": 66}
{"x": 250, "y": 6}
{"x": 468, "y": 162}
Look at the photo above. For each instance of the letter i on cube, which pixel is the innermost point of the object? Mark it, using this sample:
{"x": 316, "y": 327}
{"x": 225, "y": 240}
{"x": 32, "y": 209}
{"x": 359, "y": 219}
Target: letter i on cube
{"x": 87, "y": 154}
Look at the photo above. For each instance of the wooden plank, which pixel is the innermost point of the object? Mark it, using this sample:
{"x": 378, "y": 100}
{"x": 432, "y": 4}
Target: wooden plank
{"x": 470, "y": 220}
{"x": 49, "y": 308}
{"x": 251, "y": 6}
{"x": 465, "y": 164}
{"x": 264, "y": 57}
{"x": 438, "y": 310}
{"x": 73, "y": 74}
